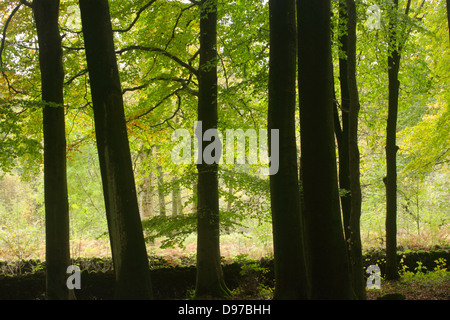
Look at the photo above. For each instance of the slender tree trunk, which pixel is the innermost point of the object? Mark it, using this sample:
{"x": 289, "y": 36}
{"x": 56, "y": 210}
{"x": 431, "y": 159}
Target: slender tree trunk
{"x": 328, "y": 258}
{"x": 146, "y": 208}
{"x": 125, "y": 229}
{"x": 210, "y": 279}
{"x": 290, "y": 267}
{"x": 342, "y": 135}
{"x": 354, "y": 241}
{"x": 176, "y": 197}
{"x": 448, "y": 17}
{"x": 161, "y": 195}
{"x": 55, "y": 176}
{"x": 194, "y": 197}
{"x": 391, "y": 150}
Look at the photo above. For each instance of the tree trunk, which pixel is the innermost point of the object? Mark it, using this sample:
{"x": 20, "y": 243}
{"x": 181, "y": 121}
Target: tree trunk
{"x": 391, "y": 151}
{"x": 354, "y": 241}
{"x": 177, "y": 205}
{"x": 161, "y": 195}
{"x": 290, "y": 267}
{"x": 448, "y": 17}
{"x": 210, "y": 279}
{"x": 194, "y": 196}
{"x": 125, "y": 229}
{"x": 146, "y": 193}
{"x": 327, "y": 251}
{"x": 342, "y": 135}
{"x": 55, "y": 176}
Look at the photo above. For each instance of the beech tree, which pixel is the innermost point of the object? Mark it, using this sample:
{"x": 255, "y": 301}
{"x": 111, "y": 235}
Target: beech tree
{"x": 290, "y": 267}
{"x": 341, "y": 124}
{"x": 397, "y": 36}
{"x": 46, "y": 13}
{"x": 210, "y": 280}
{"x": 354, "y": 223}
{"x": 391, "y": 149}
{"x": 127, "y": 242}
{"x": 326, "y": 247}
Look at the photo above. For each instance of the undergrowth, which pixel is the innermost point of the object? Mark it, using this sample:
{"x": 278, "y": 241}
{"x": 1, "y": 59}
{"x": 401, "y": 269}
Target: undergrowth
{"x": 417, "y": 284}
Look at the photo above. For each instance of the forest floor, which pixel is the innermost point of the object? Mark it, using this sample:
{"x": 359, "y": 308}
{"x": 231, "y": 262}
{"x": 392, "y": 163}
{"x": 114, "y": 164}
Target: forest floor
{"x": 173, "y": 278}
{"x": 431, "y": 286}
{"x": 248, "y": 269}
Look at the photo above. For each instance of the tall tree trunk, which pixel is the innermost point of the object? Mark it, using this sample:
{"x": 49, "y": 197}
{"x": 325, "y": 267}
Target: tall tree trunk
{"x": 328, "y": 258}
{"x": 391, "y": 149}
{"x": 210, "y": 279}
{"x": 125, "y": 229}
{"x": 290, "y": 267}
{"x": 55, "y": 176}
{"x": 342, "y": 134}
{"x": 354, "y": 241}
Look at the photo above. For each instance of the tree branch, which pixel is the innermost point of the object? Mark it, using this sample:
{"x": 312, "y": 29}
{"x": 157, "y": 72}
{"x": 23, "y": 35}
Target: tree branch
{"x": 408, "y": 6}
{"x": 81, "y": 73}
{"x": 26, "y": 3}
{"x": 138, "y": 14}
{"x": 183, "y": 82}
{"x": 172, "y": 116}
{"x": 163, "y": 52}
{"x": 155, "y": 106}
{"x": 72, "y": 48}
{"x": 2, "y": 46}
{"x": 176, "y": 24}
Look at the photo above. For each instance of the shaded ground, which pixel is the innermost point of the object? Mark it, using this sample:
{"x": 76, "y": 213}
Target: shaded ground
{"x": 248, "y": 279}
{"x": 431, "y": 286}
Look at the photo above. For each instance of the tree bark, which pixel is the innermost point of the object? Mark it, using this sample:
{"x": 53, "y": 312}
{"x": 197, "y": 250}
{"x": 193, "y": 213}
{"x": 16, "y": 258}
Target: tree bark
{"x": 125, "y": 229}
{"x": 354, "y": 240}
{"x": 342, "y": 135}
{"x": 290, "y": 267}
{"x": 210, "y": 280}
{"x": 55, "y": 177}
{"x": 327, "y": 251}
{"x": 391, "y": 150}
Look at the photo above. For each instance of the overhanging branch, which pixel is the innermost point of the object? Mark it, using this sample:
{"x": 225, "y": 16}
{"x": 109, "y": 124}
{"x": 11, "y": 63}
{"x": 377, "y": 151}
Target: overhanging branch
{"x": 163, "y": 52}
{"x": 182, "y": 81}
{"x": 138, "y": 14}
{"x": 2, "y": 45}
{"x": 155, "y": 106}
{"x": 26, "y": 3}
